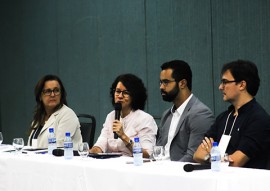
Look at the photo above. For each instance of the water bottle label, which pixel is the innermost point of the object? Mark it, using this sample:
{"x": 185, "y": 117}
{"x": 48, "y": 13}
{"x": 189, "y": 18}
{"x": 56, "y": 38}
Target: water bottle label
{"x": 137, "y": 150}
{"x": 68, "y": 145}
{"x": 215, "y": 158}
{"x": 52, "y": 140}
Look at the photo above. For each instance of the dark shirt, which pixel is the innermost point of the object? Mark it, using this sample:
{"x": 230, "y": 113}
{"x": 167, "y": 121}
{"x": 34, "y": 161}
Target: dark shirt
{"x": 250, "y": 134}
{"x": 35, "y": 134}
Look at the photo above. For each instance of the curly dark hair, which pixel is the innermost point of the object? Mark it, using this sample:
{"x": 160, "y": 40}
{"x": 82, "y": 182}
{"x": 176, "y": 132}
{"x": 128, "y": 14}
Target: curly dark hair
{"x": 136, "y": 88}
{"x": 39, "y": 113}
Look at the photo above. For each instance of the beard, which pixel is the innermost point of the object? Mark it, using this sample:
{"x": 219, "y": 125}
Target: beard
{"x": 171, "y": 95}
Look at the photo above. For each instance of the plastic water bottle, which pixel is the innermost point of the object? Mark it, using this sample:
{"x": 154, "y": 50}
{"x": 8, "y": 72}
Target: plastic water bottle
{"x": 51, "y": 141}
{"x": 137, "y": 152}
{"x": 68, "y": 146}
{"x": 215, "y": 157}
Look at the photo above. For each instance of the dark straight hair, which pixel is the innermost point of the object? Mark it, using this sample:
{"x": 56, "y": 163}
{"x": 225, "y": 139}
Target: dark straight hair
{"x": 39, "y": 113}
{"x": 244, "y": 70}
{"x": 181, "y": 70}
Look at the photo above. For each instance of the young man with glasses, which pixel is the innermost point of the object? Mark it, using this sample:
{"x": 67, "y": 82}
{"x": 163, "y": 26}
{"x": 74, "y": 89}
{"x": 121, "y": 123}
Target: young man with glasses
{"x": 243, "y": 131}
{"x": 183, "y": 126}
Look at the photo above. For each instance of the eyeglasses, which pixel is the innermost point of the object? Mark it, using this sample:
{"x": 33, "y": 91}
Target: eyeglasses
{"x": 165, "y": 82}
{"x": 48, "y": 92}
{"x": 125, "y": 93}
{"x": 223, "y": 82}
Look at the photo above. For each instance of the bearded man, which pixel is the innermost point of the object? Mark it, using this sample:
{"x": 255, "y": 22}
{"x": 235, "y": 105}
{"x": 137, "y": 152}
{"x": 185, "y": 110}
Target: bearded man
{"x": 183, "y": 126}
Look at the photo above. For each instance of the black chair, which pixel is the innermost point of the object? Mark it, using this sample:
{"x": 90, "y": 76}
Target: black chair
{"x": 268, "y": 161}
{"x": 88, "y": 127}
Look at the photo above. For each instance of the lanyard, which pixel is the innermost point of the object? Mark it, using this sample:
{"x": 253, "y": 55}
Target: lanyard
{"x": 227, "y": 123}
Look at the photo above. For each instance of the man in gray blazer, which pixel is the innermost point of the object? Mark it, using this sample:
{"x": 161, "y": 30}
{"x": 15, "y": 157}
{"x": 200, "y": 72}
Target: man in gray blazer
{"x": 183, "y": 126}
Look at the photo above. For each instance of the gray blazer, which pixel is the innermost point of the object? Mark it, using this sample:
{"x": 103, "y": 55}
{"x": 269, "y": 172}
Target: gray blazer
{"x": 195, "y": 121}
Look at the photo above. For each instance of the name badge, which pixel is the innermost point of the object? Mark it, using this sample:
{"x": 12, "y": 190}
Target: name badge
{"x": 223, "y": 144}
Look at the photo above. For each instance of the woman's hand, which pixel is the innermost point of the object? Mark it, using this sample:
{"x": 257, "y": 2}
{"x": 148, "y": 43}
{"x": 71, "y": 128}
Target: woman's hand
{"x": 118, "y": 128}
{"x": 95, "y": 149}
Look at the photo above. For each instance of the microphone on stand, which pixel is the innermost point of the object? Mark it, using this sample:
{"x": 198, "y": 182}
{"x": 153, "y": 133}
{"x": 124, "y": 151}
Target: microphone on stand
{"x": 117, "y": 108}
{"x": 191, "y": 167}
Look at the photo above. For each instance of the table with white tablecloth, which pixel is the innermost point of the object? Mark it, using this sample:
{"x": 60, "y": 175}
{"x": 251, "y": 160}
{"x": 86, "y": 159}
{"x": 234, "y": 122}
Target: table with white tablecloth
{"x": 32, "y": 172}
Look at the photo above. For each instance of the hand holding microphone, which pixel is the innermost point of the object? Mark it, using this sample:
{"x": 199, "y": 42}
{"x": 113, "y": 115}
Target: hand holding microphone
{"x": 117, "y": 108}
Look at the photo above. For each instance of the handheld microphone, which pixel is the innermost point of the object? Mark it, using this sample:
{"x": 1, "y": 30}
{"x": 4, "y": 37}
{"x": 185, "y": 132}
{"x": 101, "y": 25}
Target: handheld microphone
{"x": 60, "y": 152}
{"x": 117, "y": 108}
{"x": 191, "y": 167}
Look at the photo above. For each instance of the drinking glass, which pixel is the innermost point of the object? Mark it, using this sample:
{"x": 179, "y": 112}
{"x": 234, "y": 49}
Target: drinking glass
{"x": 18, "y": 144}
{"x": 158, "y": 152}
{"x": 83, "y": 149}
{"x": 1, "y": 138}
{"x": 225, "y": 161}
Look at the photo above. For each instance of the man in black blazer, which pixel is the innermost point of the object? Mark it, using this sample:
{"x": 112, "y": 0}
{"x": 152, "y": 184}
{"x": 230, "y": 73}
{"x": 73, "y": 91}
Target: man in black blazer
{"x": 184, "y": 125}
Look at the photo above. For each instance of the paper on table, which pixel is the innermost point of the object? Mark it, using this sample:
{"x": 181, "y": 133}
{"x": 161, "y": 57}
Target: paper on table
{"x": 104, "y": 155}
{"x": 6, "y": 148}
{"x": 29, "y": 149}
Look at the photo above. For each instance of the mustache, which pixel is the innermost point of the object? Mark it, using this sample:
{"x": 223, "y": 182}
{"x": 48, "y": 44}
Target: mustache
{"x": 162, "y": 91}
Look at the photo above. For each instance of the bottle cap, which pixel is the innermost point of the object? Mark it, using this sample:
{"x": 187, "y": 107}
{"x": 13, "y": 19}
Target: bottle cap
{"x": 215, "y": 144}
{"x": 136, "y": 139}
{"x": 51, "y": 130}
{"x": 67, "y": 134}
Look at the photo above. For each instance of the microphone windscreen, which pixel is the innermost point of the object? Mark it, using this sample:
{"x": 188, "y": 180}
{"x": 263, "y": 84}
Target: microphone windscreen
{"x": 58, "y": 152}
{"x": 118, "y": 106}
{"x": 188, "y": 167}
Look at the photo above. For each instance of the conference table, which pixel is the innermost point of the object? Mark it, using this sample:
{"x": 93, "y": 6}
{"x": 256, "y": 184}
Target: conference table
{"x": 40, "y": 172}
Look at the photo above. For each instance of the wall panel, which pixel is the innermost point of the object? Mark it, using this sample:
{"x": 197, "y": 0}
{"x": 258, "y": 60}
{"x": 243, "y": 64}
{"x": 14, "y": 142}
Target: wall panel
{"x": 241, "y": 32}
{"x": 179, "y": 30}
{"x": 89, "y": 42}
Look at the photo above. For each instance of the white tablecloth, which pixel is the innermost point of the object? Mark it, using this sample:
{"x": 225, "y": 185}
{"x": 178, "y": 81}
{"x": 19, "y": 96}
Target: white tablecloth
{"x": 43, "y": 172}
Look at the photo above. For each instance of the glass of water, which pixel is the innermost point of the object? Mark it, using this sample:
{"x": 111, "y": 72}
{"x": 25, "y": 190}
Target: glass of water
{"x": 225, "y": 161}
{"x": 158, "y": 153}
{"x": 18, "y": 144}
{"x": 83, "y": 149}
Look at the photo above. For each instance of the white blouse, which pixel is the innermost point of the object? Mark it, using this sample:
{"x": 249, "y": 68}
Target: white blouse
{"x": 136, "y": 124}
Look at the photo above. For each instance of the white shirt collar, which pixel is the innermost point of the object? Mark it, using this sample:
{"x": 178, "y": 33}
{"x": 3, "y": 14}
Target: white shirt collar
{"x": 181, "y": 108}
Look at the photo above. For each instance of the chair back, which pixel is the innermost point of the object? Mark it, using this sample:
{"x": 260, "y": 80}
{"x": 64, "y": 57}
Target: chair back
{"x": 88, "y": 127}
{"x": 268, "y": 161}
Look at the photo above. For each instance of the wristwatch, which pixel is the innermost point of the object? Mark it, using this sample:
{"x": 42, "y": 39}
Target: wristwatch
{"x": 129, "y": 143}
